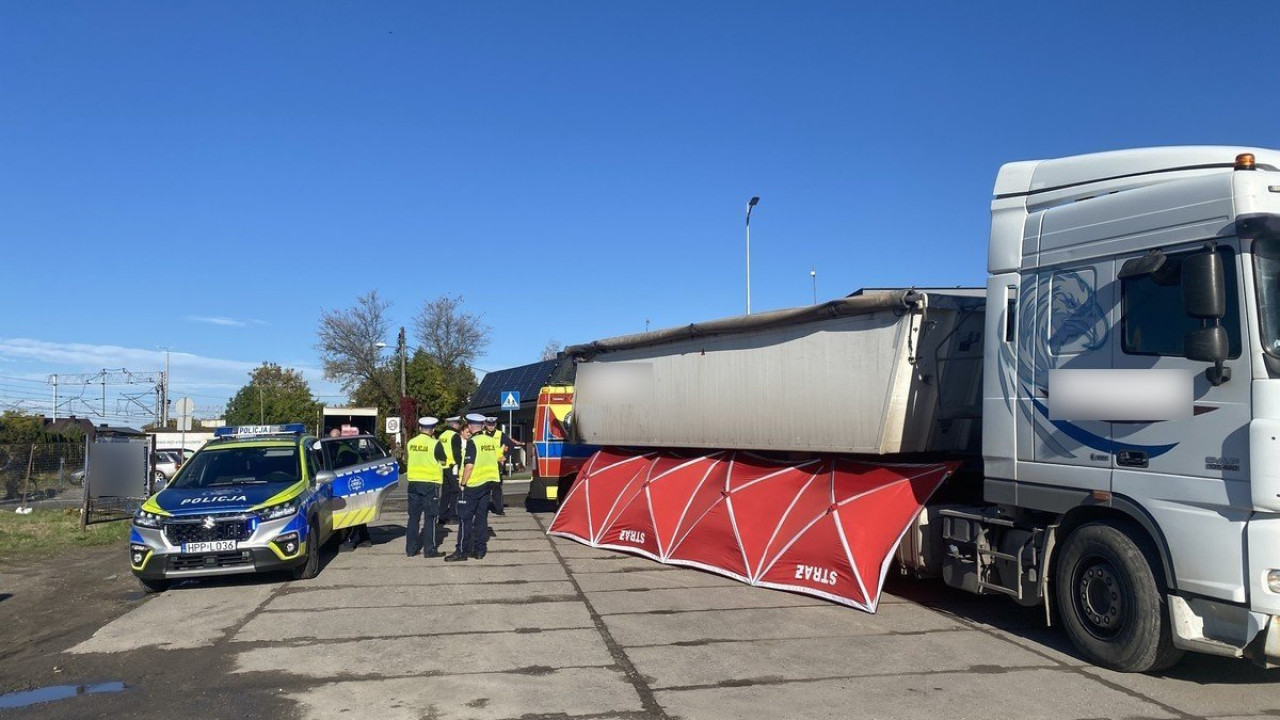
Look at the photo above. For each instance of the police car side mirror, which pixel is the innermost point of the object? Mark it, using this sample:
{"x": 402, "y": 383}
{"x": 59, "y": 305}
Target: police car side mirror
{"x": 325, "y": 477}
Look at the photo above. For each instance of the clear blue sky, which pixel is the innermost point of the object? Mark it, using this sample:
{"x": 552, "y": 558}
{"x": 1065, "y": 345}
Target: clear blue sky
{"x": 209, "y": 176}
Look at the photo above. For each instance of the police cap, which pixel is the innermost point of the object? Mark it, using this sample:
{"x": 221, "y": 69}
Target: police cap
{"x": 427, "y": 422}
{"x": 475, "y": 419}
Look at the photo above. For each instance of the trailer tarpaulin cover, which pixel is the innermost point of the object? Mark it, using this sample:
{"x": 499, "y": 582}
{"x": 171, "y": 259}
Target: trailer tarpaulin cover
{"x": 826, "y": 527}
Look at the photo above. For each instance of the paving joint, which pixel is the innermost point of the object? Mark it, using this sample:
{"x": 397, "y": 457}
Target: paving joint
{"x": 647, "y": 697}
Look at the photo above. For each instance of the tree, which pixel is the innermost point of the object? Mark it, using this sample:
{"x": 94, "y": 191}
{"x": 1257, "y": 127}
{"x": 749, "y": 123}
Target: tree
{"x": 19, "y": 427}
{"x": 349, "y": 347}
{"x": 437, "y": 390}
{"x": 449, "y": 334}
{"x": 551, "y": 349}
{"x": 273, "y": 395}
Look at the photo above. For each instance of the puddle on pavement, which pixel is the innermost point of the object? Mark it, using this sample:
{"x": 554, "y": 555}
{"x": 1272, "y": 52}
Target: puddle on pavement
{"x": 25, "y": 698}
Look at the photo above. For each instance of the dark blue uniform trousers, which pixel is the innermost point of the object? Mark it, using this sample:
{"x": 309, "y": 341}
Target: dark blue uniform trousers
{"x": 424, "y": 508}
{"x": 473, "y": 519}
{"x": 449, "y": 497}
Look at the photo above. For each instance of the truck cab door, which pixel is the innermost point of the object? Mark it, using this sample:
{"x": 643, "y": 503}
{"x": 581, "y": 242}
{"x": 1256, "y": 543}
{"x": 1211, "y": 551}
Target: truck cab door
{"x": 1190, "y": 473}
{"x": 1072, "y": 331}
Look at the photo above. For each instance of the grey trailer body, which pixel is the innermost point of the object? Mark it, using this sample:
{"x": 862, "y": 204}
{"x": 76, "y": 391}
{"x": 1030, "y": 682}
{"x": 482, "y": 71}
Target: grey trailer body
{"x": 1130, "y": 406}
{"x": 859, "y": 375}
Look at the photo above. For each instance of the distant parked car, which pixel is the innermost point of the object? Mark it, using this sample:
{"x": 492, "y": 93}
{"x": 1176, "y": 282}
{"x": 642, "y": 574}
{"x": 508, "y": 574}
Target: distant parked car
{"x": 167, "y": 464}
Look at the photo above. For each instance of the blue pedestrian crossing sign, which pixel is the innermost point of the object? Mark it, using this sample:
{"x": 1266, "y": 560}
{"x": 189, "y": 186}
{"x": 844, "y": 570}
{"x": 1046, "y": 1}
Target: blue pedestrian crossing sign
{"x": 510, "y": 399}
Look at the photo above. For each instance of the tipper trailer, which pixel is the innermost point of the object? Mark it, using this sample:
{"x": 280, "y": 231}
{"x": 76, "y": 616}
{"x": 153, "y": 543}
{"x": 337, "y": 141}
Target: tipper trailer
{"x": 1114, "y": 391}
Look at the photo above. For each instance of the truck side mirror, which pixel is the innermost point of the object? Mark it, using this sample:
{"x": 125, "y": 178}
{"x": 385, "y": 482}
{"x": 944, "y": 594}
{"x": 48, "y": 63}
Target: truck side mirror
{"x": 1204, "y": 286}
{"x": 1206, "y": 344}
{"x": 1204, "y": 296}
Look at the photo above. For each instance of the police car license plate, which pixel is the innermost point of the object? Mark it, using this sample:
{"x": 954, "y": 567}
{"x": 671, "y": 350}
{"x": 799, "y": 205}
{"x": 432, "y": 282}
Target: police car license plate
{"x": 211, "y": 546}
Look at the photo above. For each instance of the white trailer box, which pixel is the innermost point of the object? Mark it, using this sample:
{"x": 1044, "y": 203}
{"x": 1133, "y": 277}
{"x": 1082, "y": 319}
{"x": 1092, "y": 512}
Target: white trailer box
{"x": 881, "y": 372}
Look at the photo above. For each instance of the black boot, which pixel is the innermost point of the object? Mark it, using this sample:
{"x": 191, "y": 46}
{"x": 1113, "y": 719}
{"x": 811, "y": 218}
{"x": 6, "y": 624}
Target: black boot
{"x": 456, "y": 557}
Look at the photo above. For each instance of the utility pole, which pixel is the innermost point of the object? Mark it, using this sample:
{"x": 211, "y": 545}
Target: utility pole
{"x": 403, "y": 394}
{"x": 104, "y": 393}
{"x": 164, "y": 393}
{"x": 55, "y": 397}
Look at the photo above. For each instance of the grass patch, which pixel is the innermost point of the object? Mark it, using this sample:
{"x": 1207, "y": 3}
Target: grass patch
{"x": 49, "y": 532}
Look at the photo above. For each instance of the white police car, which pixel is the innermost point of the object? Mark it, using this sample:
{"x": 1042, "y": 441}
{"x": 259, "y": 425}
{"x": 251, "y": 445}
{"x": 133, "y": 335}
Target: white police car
{"x": 258, "y": 499}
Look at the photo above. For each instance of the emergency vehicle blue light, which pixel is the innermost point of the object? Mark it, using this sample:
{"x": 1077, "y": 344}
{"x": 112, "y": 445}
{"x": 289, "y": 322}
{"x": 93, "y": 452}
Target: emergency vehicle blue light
{"x": 257, "y": 430}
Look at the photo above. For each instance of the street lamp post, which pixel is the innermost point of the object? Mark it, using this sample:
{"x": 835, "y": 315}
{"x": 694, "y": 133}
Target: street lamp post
{"x": 750, "y": 204}
{"x": 813, "y": 275}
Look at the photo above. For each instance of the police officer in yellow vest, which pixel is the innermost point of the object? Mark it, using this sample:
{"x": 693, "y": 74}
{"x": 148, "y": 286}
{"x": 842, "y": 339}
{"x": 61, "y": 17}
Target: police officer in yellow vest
{"x": 491, "y": 429}
{"x": 426, "y": 459}
{"x": 452, "y": 442}
{"x": 479, "y": 476}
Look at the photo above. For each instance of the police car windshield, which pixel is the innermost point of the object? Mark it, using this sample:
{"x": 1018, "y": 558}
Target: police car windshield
{"x": 220, "y": 467}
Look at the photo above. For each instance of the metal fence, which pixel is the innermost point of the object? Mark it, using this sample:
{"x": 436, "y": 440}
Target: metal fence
{"x": 42, "y": 474}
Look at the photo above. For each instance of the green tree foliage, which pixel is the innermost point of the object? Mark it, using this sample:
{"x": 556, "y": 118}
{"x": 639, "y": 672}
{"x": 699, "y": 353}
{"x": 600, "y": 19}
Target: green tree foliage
{"x": 439, "y": 391}
{"x": 17, "y": 427}
{"x": 273, "y": 395}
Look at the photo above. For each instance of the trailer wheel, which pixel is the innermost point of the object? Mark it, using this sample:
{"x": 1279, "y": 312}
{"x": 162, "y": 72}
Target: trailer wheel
{"x": 1111, "y": 603}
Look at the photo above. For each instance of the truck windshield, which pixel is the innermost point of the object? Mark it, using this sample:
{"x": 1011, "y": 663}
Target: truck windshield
{"x": 239, "y": 466}
{"x": 1266, "y": 264}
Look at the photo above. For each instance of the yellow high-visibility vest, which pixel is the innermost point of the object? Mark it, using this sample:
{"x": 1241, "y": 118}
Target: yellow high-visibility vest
{"x": 423, "y": 466}
{"x": 446, "y": 439}
{"x": 502, "y": 447}
{"x": 486, "y": 467}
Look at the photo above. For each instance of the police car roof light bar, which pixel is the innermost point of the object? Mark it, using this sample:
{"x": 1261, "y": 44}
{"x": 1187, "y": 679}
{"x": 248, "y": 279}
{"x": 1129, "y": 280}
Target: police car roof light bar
{"x": 259, "y": 430}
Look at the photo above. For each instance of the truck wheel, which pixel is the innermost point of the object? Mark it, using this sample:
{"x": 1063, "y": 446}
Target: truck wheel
{"x": 153, "y": 585}
{"x": 311, "y": 567}
{"x": 1111, "y": 603}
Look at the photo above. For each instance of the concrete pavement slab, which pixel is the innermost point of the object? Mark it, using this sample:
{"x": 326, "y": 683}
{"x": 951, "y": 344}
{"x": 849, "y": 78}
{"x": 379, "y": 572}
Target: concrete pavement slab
{"x": 436, "y": 655}
{"x": 751, "y": 624}
{"x": 708, "y": 598}
{"x": 181, "y": 618}
{"x": 615, "y": 562}
{"x": 348, "y": 623}
{"x": 657, "y": 580}
{"x": 483, "y": 696}
{"x": 433, "y": 572}
{"x": 419, "y": 596}
{"x": 1188, "y": 686}
{"x": 814, "y": 658}
{"x": 1034, "y": 694}
{"x": 498, "y": 555}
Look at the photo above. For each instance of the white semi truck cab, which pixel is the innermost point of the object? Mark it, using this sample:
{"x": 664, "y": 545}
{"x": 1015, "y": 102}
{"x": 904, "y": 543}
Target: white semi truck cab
{"x": 1131, "y": 404}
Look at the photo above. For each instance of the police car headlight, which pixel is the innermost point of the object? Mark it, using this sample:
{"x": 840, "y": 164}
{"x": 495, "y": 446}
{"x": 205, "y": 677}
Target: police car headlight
{"x": 284, "y": 509}
{"x": 145, "y": 519}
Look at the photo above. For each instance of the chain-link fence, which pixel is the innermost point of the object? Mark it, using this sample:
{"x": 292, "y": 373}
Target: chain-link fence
{"x": 42, "y": 473}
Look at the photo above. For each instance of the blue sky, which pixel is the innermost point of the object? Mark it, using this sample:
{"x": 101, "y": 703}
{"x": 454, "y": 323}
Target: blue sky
{"x": 209, "y": 176}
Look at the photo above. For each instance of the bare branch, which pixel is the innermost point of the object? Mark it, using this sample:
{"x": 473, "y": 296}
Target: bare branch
{"x": 348, "y": 344}
{"x": 551, "y": 349}
{"x": 450, "y": 335}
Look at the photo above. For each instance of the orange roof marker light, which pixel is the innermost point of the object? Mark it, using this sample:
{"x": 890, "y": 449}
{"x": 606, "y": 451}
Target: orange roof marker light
{"x": 1244, "y": 161}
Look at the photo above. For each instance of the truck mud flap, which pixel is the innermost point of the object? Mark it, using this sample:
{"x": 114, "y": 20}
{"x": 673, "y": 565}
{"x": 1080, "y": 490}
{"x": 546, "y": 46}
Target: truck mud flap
{"x": 826, "y": 527}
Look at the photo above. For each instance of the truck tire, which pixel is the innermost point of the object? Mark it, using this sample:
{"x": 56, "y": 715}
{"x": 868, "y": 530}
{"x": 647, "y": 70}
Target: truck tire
{"x": 1111, "y": 601}
{"x": 153, "y": 585}
{"x": 311, "y": 567}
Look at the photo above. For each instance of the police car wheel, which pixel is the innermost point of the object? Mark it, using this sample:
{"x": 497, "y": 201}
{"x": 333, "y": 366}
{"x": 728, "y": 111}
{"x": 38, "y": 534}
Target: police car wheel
{"x": 153, "y": 585}
{"x": 311, "y": 567}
